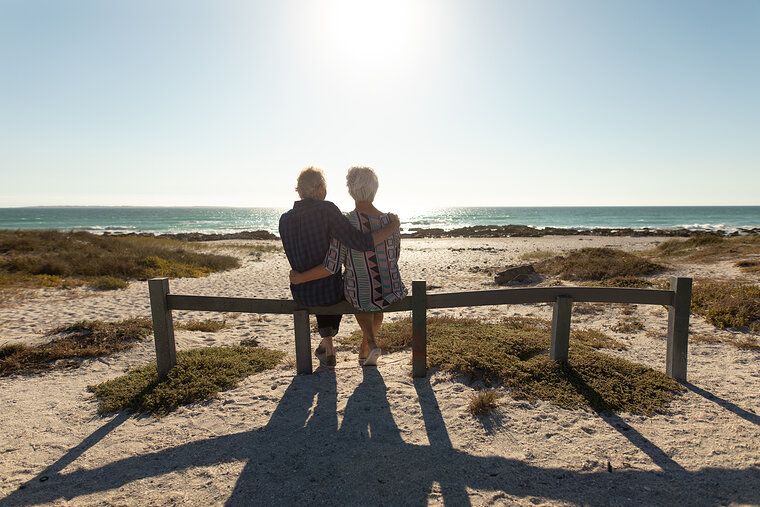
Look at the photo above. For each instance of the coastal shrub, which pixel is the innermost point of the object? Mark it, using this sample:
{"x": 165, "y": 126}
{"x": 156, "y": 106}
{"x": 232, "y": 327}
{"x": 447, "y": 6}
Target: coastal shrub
{"x": 595, "y": 264}
{"x": 29, "y": 256}
{"x": 514, "y": 352}
{"x": 77, "y": 342}
{"x": 630, "y": 282}
{"x": 675, "y": 247}
{"x": 108, "y": 283}
{"x": 727, "y": 304}
{"x": 207, "y": 325}
{"x": 708, "y": 248}
{"x": 594, "y": 339}
{"x": 198, "y": 376}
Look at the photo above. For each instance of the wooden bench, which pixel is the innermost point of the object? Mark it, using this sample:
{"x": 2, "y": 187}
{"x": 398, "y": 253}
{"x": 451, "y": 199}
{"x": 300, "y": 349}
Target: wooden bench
{"x": 677, "y": 299}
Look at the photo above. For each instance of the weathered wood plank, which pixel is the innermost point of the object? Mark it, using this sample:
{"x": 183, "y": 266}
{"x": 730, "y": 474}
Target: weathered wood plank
{"x": 446, "y": 300}
{"x": 303, "y": 341}
{"x": 678, "y": 329}
{"x": 276, "y": 306}
{"x": 419, "y": 329}
{"x": 163, "y": 326}
{"x": 550, "y": 294}
{"x": 560, "y": 342}
{"x": 228, "y": 304}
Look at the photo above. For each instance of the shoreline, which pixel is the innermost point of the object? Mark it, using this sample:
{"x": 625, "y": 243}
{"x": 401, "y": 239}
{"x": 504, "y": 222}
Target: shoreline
{"x": 474, "y": 231}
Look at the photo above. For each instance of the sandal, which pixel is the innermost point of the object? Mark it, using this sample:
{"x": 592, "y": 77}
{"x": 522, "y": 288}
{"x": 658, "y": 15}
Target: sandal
{"x": 372, "y": 357}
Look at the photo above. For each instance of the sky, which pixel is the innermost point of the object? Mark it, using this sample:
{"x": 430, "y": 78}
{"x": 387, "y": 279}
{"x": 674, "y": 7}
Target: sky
{"x": 453, "y": 103}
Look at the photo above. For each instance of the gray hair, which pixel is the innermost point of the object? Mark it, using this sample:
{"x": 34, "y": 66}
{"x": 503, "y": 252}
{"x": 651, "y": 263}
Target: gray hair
{"x": 310, "y": 180}
{"x": 362, "y": 184}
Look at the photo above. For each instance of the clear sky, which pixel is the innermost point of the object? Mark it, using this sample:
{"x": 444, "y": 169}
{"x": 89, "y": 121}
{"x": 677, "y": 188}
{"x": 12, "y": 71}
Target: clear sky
{"x": 500, "y": 103}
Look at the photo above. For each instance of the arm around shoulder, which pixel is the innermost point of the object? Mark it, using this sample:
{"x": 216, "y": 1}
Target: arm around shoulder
{"x": 380, "y": 235}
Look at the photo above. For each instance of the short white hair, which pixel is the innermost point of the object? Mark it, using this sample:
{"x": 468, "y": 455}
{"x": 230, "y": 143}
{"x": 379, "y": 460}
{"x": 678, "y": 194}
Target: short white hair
{"x": 362, "y": 183}
{"x": 310, "y": 181}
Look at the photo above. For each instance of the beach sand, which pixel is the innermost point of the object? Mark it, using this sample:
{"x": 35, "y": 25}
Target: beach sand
{"x": 375, "y": 436}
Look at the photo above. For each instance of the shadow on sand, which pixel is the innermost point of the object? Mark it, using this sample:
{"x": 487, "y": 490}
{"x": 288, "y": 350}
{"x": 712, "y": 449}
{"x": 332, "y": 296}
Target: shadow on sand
{"x": 303, "y": 456}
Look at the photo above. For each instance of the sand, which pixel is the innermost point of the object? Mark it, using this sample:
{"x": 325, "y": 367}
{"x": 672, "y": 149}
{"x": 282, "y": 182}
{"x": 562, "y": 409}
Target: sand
{"x": 375, "y": 436}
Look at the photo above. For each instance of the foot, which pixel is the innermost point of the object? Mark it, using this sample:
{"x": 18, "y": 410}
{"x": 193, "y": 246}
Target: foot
{"x": 372, "y": 357}
{"x": 321, "y": 347}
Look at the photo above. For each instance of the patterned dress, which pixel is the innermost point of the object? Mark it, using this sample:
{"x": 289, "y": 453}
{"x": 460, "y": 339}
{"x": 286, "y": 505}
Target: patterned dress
{"x": 371, "y": 280}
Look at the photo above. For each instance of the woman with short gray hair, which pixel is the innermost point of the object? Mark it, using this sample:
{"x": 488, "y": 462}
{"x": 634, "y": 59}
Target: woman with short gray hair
{"x": 371, "y": 280}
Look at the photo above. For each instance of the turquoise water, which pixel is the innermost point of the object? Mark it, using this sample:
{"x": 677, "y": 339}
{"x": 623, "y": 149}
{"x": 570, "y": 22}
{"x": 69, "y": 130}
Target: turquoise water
{"x": 226, "y": 220}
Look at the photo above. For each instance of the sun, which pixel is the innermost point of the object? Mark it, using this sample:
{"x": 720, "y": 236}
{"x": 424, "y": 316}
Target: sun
{"x": 367, "y": 36}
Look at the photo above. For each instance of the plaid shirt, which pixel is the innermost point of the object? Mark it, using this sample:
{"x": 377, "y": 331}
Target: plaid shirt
{"x": 305, "y": 232}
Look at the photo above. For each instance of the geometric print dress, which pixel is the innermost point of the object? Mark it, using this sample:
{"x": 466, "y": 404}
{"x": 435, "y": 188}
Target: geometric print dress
{"x": 371, "y": 280}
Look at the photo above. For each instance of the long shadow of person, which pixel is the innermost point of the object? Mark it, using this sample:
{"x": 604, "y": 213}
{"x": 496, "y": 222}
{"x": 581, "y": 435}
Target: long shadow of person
{"x": 301, "y": 455}
{"x": 299, "y": 441}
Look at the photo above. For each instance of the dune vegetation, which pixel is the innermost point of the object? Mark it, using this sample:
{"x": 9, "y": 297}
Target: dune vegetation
{"x": 597, "y": 264}
{"x": 74, "y": 343}
{"x": 514, "y": 353}
{"x": 199, "y": 375}
{"x": 67, "y": 259}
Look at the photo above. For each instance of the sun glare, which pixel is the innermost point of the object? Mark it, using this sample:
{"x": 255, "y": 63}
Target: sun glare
{"x": 371, "y": 35}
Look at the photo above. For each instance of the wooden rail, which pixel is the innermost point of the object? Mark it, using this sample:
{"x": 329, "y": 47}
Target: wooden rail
{"x": 677, "y": 299}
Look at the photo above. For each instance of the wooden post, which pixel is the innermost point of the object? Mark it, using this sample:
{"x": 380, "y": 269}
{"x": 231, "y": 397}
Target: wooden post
{"x": 678, "y": 328}
{"x": 560, "y": 342}
{"x": 419, "y": 328}
{"x": 163, "y": 326}
{"x": 303, "y": 341}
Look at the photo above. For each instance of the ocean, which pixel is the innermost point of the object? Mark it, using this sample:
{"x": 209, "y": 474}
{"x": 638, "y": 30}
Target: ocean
{"x": 161, "y": 220}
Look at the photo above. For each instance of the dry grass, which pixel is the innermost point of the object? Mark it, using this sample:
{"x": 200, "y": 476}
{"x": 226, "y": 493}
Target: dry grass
{"x": 253, "y": 250}
{"x": 747, "y": 342}
{"x": 198, "y": 376}
{"x": 709, "y": 248}
{"x": 75, "y": 343}
{"x": 513, "y": 352}
{"x": 53, "y": 258}
{"x": 538, "y": 255}
{"x": 588, "y": 308}
{"x": 749, "y": 266}
{"x": 597, "y": 264}
{"x": 628, "y": 326}
{"x": 727, "y": 304}
{"x": 704, "y": 338}
{"x": 484, "y": 401}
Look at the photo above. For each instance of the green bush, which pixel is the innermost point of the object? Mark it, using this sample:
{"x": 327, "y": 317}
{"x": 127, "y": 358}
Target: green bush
{"x": 198, "y": 376}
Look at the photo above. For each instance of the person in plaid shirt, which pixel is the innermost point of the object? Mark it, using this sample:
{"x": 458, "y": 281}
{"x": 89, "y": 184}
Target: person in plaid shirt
{"x": 305, "y": 232}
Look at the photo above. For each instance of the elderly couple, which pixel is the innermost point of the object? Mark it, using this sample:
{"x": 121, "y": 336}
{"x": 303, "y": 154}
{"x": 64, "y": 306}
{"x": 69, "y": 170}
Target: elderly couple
{"x": 318, "y": 239}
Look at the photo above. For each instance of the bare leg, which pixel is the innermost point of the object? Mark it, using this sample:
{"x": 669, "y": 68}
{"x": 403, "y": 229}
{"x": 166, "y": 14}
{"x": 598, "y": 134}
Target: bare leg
{"x": 366, "y": 322}
{"x": 327, "y": 343}
{"x": 377, "y": 322}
